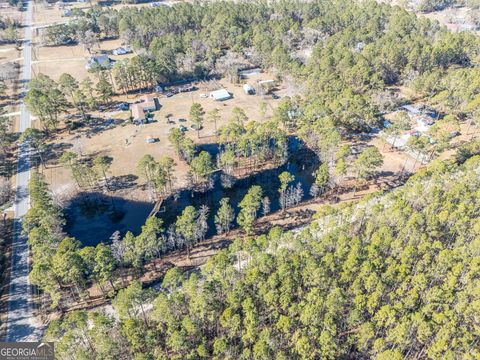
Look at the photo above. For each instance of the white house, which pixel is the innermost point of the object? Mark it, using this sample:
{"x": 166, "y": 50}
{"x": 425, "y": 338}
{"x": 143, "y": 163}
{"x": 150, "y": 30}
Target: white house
{"x": 220, "y": 95}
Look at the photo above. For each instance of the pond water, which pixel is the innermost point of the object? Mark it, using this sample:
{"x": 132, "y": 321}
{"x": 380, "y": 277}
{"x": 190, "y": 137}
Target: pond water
{"x": 92, "y": 218}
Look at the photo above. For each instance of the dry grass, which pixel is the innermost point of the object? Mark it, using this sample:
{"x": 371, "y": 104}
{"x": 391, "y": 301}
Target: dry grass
{"x": 113, "y": 141}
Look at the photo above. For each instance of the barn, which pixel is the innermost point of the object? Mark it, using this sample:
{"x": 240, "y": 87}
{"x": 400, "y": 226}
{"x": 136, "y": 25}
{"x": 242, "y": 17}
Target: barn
{"x": 220, "y": 95}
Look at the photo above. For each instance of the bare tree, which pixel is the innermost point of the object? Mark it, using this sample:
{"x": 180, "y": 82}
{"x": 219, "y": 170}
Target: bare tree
{"x": 265, "y": 206}
{"x": 5, "y": 190}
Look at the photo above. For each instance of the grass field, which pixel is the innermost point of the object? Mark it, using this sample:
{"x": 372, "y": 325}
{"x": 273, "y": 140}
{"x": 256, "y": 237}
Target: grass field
{"x": 112, "y": 141}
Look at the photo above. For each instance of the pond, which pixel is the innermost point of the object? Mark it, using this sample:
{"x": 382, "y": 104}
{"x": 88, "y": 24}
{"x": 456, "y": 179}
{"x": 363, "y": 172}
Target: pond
{"x": 92, "y": 218}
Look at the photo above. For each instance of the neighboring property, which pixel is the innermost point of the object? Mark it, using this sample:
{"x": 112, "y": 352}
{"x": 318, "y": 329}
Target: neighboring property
{"x": 220, "y": 95}
{"x": 248, "y": 89}
{"x": 102, "y": 60}
{"x": 412, "y": 110}
{"x": 145, "y": 105}
{"x": 422, "y": 117}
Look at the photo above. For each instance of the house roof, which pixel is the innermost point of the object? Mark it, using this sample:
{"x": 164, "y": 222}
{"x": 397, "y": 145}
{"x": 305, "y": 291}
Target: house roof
{"x": 411, "y": 109}
{"x": 100, "y": 58}
{"x": 265, "y": 82}
{"x": 137, "y": 111}
{"x": 148, "y": 102}
{"x": 220, "y": 94}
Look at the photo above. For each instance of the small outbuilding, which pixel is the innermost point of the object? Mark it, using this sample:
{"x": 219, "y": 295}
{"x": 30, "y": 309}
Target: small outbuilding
{"x": 265, "y": 86}
{"x": 220, "y": 95}
{"x": 120, "y": 51}
{"x": 411, "y": 109}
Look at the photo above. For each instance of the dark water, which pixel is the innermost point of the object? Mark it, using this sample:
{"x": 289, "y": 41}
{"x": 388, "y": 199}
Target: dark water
{"x": 93, "y": 219}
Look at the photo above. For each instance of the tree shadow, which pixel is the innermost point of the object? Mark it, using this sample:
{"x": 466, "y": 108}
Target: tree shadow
{"x": 54, "y": 151}
{"x": 123, "y": 182}
{"x": 95, "y": 126}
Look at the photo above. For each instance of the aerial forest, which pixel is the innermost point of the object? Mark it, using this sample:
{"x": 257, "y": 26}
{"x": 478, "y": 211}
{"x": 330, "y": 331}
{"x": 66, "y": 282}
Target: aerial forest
{"x": 391, "y": 276}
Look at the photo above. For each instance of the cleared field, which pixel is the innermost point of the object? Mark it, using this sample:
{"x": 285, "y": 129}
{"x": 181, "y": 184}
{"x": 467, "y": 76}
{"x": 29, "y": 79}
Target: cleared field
{"x": 11, "y": 56}
{"x": 126, "y": 144}
{"x": 56, "y": 60}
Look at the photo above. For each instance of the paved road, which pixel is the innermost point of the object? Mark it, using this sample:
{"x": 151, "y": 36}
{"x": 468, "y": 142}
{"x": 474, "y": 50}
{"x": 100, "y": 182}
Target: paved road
{"x": 21, "y": 323}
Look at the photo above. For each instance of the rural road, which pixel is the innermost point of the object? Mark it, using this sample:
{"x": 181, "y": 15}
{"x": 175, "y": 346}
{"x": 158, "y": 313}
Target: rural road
{"x": 21, "y": 322}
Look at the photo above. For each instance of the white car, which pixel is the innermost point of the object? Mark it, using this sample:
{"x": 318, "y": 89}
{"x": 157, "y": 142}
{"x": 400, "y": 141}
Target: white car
{"x": 203, "y": 96}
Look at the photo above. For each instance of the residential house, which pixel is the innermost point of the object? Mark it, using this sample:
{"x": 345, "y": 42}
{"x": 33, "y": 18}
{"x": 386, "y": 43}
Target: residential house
{"x": 102, "y": 60}
{"x": 145, "y": 105}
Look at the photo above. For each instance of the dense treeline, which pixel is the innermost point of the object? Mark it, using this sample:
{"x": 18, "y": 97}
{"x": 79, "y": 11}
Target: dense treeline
{"x": 8, "y": 30}
{"x": 48, "y": 99}
{"x": 394, "y": 276}
{"x": 250, "y": 144}
{"x": 63, "y": 270}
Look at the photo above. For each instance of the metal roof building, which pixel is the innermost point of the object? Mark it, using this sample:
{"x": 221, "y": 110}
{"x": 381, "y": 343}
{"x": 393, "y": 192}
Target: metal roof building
{"x": 412, "y": 109}
{"x": 220, "y": 95}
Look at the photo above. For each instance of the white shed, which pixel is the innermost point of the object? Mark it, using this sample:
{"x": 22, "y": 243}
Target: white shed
{"x": 411, "y": 109}
{"x": 220, "y": 95}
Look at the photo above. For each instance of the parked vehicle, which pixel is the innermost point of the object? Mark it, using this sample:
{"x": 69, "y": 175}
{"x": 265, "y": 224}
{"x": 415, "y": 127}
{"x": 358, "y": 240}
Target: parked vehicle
{"x": 123, "y": 106}
{"x": 454, "y": 134}
{"x": 187, "y": 88}
{"x": 151, "y": 140}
